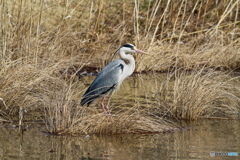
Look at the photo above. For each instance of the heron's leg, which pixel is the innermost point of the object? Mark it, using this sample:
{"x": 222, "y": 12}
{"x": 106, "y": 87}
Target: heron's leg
{"x": 106, "y": 112}
{"x": 110, "y": 96}
{"x": 102, "y": 105}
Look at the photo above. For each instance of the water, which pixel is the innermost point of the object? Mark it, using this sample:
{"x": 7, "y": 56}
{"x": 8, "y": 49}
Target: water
{"x": 196, "y": 142}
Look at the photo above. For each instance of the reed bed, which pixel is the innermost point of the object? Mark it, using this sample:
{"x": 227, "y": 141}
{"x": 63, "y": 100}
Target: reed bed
{"x": 122, "y": 123}
{"x": 45, "y": 45}
{"x": 201, "y": 93}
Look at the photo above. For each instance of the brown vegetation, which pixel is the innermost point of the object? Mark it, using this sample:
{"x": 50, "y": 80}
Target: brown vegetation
{"x": 201, "y": 93}
{"x": 45, "y": 44}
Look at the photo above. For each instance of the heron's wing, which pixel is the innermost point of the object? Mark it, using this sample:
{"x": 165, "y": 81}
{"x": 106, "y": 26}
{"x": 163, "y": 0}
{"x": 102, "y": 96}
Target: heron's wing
{"x": 105, "y": 82}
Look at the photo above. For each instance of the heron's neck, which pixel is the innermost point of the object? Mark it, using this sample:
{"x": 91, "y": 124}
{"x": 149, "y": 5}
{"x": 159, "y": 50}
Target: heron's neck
{"x": 128, "y": 58}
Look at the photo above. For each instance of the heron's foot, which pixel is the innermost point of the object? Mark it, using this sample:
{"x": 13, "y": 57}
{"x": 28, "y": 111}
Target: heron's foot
{"x": 108, "y": 111}
{"x": 107, "y": 114}
{"x": 109, "y": 118}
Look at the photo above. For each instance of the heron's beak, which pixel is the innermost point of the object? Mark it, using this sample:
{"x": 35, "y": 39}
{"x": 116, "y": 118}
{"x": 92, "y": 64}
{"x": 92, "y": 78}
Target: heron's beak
{"x": 139, "y": 51}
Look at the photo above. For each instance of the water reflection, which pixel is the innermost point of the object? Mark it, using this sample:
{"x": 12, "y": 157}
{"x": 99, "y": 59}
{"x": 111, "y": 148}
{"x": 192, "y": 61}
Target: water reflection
{"x": 194, "y": 143}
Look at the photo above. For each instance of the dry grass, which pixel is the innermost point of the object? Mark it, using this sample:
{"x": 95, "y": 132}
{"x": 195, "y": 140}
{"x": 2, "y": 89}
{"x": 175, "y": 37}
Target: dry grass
{"x": 215, "y": 51}
{"x": 201, "y": 93}
{"x": 44, "y": 44}
{"x": 29, "y": 85}
{"x": 124, "y": 122}
{"x": 63, "y": 115}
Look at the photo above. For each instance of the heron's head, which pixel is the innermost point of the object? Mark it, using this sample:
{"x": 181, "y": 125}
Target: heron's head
{"x": 131, "y": 49}
{"x": 128, "y": 48}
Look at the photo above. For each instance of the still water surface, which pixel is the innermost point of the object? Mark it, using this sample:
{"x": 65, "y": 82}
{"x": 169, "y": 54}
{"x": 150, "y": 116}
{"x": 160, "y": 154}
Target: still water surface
{"x": 195, "y": 142}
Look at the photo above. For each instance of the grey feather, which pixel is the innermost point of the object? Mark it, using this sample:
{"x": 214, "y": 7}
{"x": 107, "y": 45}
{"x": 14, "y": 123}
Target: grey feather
{"x": 106, "y": 81}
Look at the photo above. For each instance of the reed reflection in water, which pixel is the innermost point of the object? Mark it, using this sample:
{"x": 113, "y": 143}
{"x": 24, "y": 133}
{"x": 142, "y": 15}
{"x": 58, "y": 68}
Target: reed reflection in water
{"x": 196, "y": 142}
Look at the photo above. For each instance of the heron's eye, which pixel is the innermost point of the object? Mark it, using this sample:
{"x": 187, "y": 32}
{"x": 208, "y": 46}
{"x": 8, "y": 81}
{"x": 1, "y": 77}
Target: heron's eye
{"x": 132, "y": 48}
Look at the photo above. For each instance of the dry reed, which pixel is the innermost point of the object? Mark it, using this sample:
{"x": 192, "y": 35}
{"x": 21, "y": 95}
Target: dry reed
{"x": 43, "y": 41}
{"x": 204, "y": 93}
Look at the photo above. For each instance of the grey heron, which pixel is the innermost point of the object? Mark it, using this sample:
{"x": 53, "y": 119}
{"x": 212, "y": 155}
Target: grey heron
{"x": 111, "y": 76}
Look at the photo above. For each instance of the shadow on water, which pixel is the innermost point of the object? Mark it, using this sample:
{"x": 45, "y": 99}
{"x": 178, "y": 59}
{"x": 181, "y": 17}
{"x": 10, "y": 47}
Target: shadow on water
{"x": 193, "y": 143}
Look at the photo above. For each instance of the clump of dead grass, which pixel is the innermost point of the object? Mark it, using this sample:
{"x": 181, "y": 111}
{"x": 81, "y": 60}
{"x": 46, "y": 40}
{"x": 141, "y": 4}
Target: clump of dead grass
{"x": 65, "y": 116}
{"x": 121, "y": 123}
{"x": 213, "y": 50}
{"x": 204, "y": 93}
{"x": 30, "y": 86}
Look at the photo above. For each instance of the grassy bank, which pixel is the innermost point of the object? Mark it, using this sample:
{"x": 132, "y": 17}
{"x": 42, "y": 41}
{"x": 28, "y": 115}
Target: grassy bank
{"x": 44, "y": 45}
